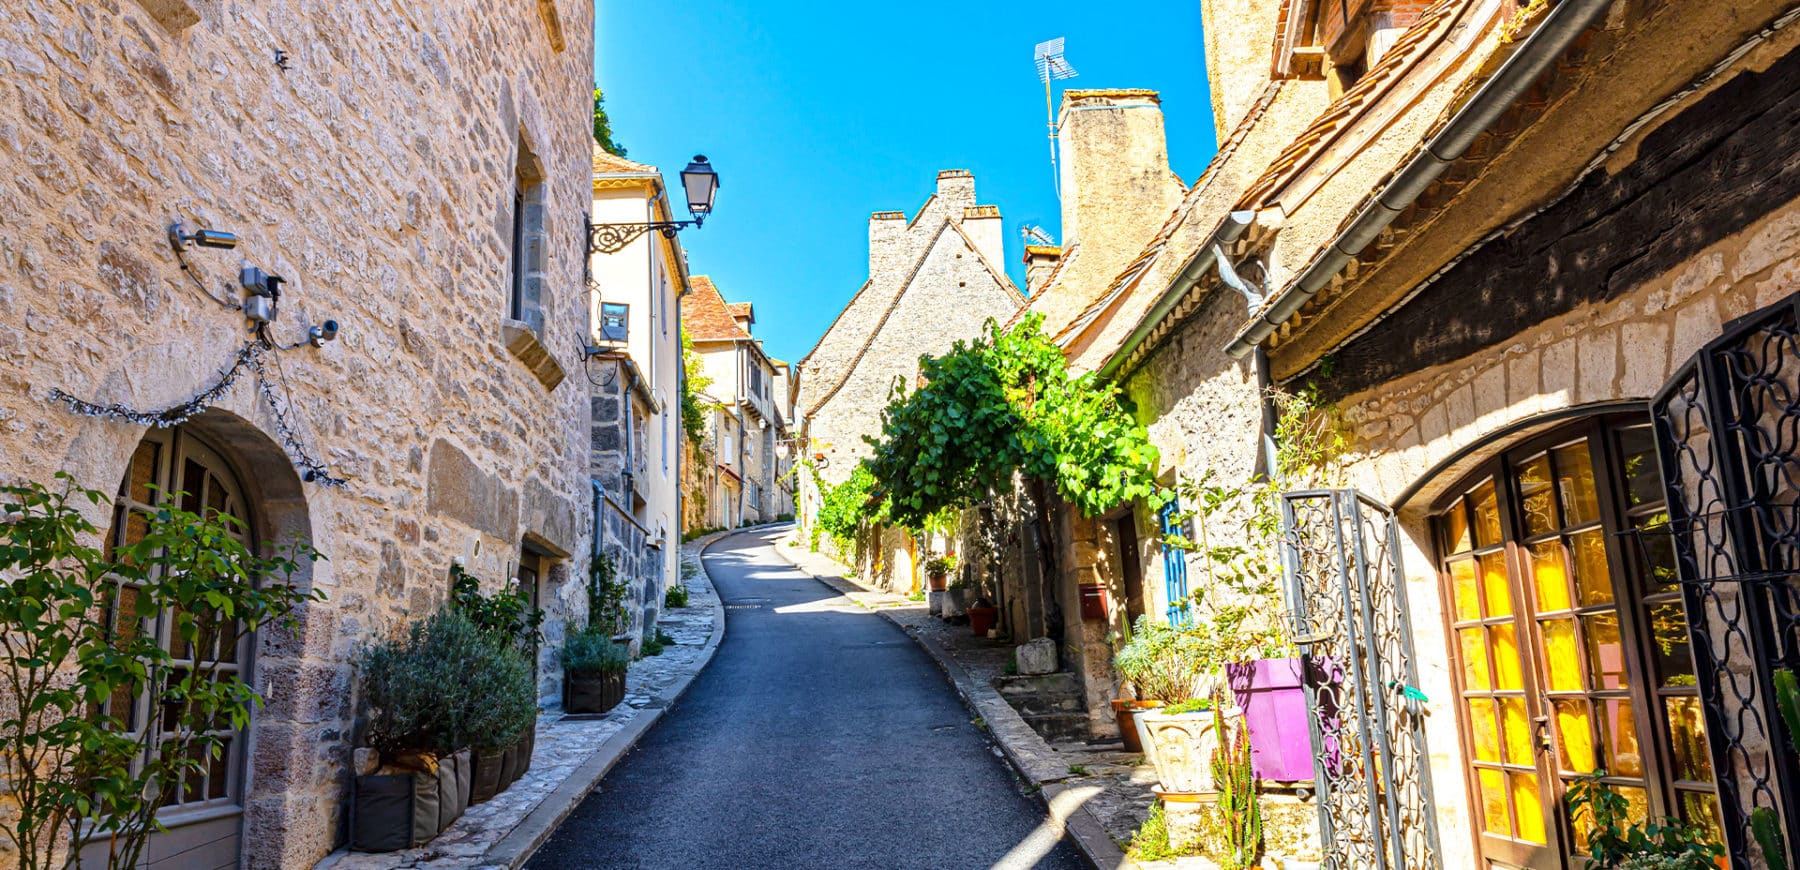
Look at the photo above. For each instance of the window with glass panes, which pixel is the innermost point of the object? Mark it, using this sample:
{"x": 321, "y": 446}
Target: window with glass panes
{"x": 1570, "y": 645}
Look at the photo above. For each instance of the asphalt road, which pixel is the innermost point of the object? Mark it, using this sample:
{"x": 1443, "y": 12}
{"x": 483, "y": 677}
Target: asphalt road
{"x": 820, "y": 736}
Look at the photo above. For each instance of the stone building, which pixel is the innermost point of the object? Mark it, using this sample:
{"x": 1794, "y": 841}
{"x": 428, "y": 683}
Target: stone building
{"x": 939, "y": 268}
{"x": 747, "y": 431}
{"x": 1539, "y": 262}
{"x": 415, "y": 175}
{"x": 635, "y": 380}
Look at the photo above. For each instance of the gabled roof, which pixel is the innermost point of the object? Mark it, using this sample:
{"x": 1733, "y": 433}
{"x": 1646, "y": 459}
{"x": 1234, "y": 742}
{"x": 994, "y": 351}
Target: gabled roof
{"x": 605, "y": 162}
{"x": 742, "y": 310}
{"x": 706, "y": 314}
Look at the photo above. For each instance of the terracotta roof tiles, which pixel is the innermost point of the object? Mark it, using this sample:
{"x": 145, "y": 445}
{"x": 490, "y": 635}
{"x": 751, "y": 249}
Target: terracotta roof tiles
{"x": 706, "y": 314}
{"x": 605, "y": 162}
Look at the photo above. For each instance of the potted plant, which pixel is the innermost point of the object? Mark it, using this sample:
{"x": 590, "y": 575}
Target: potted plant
{"x": 426, "y": 690}
{"x": 982, "y": 616}
{"x": 593, "y": 671}
{"x": 1182, "y": 738}
{"x": 938, "y": 571}
{"x": 1148, "y": 660}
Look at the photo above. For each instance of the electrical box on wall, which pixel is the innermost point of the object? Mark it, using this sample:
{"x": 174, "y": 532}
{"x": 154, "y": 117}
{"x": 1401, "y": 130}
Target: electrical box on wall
{"x": 1093, "y": 602}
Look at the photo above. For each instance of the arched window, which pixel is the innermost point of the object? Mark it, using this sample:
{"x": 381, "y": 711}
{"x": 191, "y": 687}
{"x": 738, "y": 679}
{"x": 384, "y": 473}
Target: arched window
{"x": 1569, "y": 642}
{"x": 203, "y": 814}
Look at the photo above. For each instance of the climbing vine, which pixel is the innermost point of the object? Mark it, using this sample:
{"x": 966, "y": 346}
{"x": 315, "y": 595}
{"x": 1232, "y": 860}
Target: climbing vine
{"x": 1000, "y": 405}
{"x": 845, "y": 506}
{"x": 694, "y": 382}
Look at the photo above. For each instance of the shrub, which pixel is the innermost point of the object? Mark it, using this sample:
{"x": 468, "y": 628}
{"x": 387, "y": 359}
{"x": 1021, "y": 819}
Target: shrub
{"x": 677, "y": 596}
{"x": 73, "y": 641}
{"x": 592, "y": 652}
{"x": 506, "y": 616}
{"x": 1614, "y": 842}
{"x": 1164, "y": 663}
{"x": 655, "y": 639}
{"x": 443, "y": 686}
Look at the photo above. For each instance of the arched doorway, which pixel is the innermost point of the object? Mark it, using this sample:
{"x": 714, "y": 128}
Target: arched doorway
{"x": 1569, "y": 644}
{"x": 203, "y": 815}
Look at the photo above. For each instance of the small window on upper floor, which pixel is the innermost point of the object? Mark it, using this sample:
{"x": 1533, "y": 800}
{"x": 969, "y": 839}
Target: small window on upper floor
{"x": 526, "y": 248}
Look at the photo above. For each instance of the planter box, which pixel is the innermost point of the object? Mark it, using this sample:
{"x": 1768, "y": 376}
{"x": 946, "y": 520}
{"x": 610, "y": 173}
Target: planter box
{"x": 390, "y": 812}
{"x": 1183, "y": 746}
{"x": 956, "y": 600}
{"x": 527, "y": 746}
{"x": 593, "y": 693}
{"x": 1272, "y": 694}
{"x": 484, "y": 778}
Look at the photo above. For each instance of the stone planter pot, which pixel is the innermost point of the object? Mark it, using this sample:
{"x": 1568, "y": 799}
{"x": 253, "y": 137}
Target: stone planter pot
{"x": 593, "y": 693}
{"x": 1126, "y": 713}
{"x": 1182, "y": 748}
{"x": 1272, "y": 694}
{"x": 394, "y": 811}
{"x": 956, "y": 600}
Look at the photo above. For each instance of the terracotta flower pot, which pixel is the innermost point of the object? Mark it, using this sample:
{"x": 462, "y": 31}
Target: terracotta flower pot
{"x": 1125, "y": 712}
{"x": 981, "y": 619}
{"x": 938, "y": 582}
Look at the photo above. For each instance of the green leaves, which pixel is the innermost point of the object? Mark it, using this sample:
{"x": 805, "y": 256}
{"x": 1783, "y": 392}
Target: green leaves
{"x": 998, "y": 406}
{"x": 76, "y": 631}
{"x": 1614, "y": 841}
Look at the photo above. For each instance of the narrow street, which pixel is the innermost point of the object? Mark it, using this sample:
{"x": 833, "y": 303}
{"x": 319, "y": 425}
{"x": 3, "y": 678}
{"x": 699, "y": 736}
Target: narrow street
{"x": 820, "y": 736}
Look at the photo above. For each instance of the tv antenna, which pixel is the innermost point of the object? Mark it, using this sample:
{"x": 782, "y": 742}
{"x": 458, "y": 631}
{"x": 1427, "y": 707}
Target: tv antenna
{"x": 1051, "y": 66}
{"x": 1035, "y": 235}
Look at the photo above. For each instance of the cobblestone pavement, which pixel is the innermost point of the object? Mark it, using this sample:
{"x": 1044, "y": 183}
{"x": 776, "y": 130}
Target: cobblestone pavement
{"x": 563, "y": 745}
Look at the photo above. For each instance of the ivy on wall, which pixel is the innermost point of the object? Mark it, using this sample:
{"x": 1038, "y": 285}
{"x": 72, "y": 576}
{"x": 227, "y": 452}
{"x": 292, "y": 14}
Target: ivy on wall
{"x": 1000, "y": 405}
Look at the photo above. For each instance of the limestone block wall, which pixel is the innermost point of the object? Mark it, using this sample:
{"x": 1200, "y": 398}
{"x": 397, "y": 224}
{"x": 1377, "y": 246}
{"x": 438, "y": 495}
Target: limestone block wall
{"x": 376, "y": 173}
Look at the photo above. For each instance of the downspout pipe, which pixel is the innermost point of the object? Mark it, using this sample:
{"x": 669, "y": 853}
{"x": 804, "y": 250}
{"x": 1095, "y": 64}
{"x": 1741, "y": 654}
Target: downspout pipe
{"x": 1195, "y": 271}
{"x": 1564, "y": 23}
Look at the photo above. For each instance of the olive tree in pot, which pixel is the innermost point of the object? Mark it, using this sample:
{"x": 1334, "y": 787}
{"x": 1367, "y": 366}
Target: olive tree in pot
{"x": 420, "y": 690}
{"x": 593, "y": 671}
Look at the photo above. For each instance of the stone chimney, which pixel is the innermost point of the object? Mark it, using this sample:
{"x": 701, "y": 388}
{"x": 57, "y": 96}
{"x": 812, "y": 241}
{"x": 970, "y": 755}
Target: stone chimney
{"x": 1115, "y": 168}
{"x": 1040, "y": 261}
{"x": 887, "y": 238}
{"x": 955, "y": 190}
{"x": 983, "y": 224}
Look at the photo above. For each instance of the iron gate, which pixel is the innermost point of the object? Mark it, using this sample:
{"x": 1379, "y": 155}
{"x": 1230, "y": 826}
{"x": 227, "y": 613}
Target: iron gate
{"x": 1341, "y": 561}
{"x": 1728, "y": 434}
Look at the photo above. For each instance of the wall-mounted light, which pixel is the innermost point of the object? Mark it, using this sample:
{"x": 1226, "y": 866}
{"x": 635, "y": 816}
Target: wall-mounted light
{"x": 181, "y": 240}
{"x": 698, "y": 181}
{"x": 322, "y": 333}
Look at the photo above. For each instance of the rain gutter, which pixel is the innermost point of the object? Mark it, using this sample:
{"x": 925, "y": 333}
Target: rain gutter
{"x": 1191, "y": 274}
{"x": 1560, "y": 28}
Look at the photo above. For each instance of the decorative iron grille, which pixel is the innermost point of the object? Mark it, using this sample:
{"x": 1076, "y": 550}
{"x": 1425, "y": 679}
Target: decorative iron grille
{"x": 1728, "y": 435}
{"x": 1175, "y": 584}
{"x": 1347, "y": 594}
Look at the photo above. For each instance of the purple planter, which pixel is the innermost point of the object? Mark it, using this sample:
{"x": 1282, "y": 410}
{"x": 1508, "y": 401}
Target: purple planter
{"x": 1273, "y": 697}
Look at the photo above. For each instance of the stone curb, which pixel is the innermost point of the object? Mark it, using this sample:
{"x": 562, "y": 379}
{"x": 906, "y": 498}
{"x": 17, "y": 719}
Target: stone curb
{"x": 517, "y": 847}
{"x": 1022, "y": 747}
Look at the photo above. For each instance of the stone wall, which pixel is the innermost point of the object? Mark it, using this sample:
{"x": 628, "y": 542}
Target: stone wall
{"x": 375, "y": 172}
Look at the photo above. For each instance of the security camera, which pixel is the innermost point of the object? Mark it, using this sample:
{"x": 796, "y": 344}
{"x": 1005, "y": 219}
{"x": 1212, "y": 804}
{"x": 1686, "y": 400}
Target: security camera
{"x": 322, "y": 333}
{"x": 203, "y": 237}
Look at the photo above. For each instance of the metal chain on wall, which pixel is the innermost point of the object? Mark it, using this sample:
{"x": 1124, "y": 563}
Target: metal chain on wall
{"x": 1349, "y": 616}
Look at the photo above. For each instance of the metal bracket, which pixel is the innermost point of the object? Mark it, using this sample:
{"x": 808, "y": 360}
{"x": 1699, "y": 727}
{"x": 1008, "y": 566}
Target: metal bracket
{"x": 612, "y": 238}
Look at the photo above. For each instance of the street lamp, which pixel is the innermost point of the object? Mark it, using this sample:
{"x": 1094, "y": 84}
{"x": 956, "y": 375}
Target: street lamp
{"x": 700, "y": 183}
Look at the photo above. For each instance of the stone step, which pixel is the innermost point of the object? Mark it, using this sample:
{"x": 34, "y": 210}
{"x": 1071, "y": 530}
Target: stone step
{"x": 1060, "y": 683}
{"x": 1032, "y": 705}
{"x": 1059, "y": 727}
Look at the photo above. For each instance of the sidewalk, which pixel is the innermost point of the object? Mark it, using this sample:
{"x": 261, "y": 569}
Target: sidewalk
{"x": 571, "y": 755}
{"x": 1099, "y": 796}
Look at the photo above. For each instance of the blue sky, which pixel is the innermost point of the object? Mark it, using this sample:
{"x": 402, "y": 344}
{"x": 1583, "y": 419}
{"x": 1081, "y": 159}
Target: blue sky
{"x": 816, "y": 118}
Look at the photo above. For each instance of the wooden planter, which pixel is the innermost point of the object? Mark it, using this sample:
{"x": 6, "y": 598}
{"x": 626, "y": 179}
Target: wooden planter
{"x": 593, "y": 693}
{"x": 395, "y": 811}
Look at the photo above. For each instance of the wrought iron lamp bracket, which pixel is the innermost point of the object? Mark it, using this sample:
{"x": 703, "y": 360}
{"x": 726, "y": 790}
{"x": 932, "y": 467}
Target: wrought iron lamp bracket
{"x": 612, "y": 238}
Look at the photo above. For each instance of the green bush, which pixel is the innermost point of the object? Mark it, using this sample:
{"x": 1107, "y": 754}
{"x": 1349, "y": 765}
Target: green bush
{"x": 506, "y": 616}
{"x": 941, "y": 566}
{"x": 1615, "y": 842}
{"x": 592, "y": 651}
{"x": 677, "y": 596}
{"x": 443, "y": 686}
{"x": 845, "y": 507}
{"x": 1164, "y": 663}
